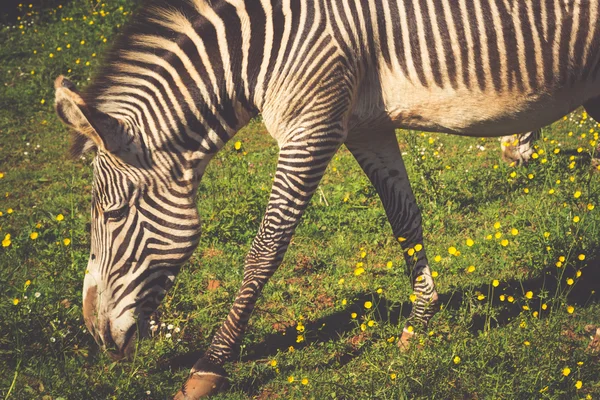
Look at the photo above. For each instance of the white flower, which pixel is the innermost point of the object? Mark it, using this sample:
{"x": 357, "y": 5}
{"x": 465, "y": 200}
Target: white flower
{"x": 52, "y": 339}
{"x": 177, "y": 330}
{"x": 37, "y": 294}
{"x": 148, "y": 392}
{"x": 168, "y": 335}
{"x": 152, "y": 322}
{"x": 153, "y": 328}
{"x": 163, "y": 325}
{"x": 170, "y": 326}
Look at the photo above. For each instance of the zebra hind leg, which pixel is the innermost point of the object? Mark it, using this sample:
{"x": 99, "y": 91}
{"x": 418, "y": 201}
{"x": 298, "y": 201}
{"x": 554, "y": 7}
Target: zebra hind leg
{"x": 380, "y": 158}
{"x": 298, "y": 174}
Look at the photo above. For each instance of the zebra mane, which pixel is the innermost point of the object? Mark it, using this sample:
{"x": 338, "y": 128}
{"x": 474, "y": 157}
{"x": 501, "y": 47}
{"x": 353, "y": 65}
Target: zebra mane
{"x": 143, "y": 21}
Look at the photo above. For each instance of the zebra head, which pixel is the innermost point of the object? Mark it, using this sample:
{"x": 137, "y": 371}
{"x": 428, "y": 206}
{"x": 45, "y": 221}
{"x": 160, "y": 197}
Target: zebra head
{"x": 144, "y": 222}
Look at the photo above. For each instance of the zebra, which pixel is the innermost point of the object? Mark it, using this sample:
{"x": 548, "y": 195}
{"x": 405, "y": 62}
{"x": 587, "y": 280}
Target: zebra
{"x": 185, "y": 77}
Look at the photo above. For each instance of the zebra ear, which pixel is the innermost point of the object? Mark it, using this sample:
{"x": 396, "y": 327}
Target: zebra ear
{"x": 93, "y": 128}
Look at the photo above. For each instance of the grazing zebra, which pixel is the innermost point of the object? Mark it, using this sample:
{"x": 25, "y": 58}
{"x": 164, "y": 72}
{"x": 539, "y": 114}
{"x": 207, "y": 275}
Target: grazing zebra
{"x": 184, "y": 78}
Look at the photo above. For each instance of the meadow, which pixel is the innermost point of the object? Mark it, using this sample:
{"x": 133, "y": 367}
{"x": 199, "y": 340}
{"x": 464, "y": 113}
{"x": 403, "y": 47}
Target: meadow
{"x": 514, "y": 250}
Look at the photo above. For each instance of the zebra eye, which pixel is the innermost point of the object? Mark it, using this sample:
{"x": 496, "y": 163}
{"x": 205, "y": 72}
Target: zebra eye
{"x": 116, "y": 215}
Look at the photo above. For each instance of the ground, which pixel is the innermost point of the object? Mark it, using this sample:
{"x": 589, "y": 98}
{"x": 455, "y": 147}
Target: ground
{"x": 514, "y": 251}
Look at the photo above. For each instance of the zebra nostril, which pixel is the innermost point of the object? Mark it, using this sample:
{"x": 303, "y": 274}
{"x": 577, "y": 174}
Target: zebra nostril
{"x": 93, "y": 257}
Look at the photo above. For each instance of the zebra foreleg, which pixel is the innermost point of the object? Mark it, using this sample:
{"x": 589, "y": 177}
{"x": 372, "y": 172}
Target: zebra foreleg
{"x": 298, "y": 174}
{"x": 379, "y": 157}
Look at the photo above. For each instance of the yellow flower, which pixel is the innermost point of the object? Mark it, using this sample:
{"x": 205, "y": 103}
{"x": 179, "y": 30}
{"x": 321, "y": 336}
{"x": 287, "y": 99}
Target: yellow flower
{"x": 530, "y": 176}
{"x": 495, "y": 283}
{"x": 551, "y": 191}
{"x": 529, "y": 295}
{"x": 368, "y": 305}
{"x": 411, "y": 251}
{"x": 498, "y": 235}
{"x": 353, "y": 315}
{"x": 510, "y": 299}
{"x": 27, "y": 283}
{"x": 33, "y": 235}
{"x": 576, "y": 219}
{"x": 363, "y": 254}
{"x": 304, "y": 381}
{"x": 341, "y": 281}
{"x": 60, "y": 217}
{"x": 392, "y": 376}
{"x": 359, "y": 271}
{"x": 566, "y": 371}
{"x": 526, "y": 343}
{"x": 497, "y": 225}
{"x": 299, "y": 339}
{"x": 535, "y": 314}
{"x": 1, "y": 175}
{"x": 504, "y": 242}
{"x": 413, "y": 297}
{"x": 6, "y": 242}
{"x": 481, "y": 297}
{"x": 577, "y": 194}
{"x": 546, "y": 235}
{"x": 470, "y": 242}
{"x": 363, "y": 327}
{"x": 570, "y": 281}
{"x": 523, "y": 324}
{"x": 514, "y": 231}
{"x": 42, "y": 101}
{"x": 502, "y": 297}
{"x": 389, "y": 264}
{"x": 578, "y": 385}
{"x": 15, "y": 301}
{"x": 526, "y": 190}
{"x": 470, "y": 269}
{"x": 51, "y": 55}
{"x": 82, "y": 42}
{"x": 9, "y": 211}
{"x": 410, "y": 328}
{"x": 66, "y": 241}
{"x": 371, "y": 323}
{"x": 452, "y": 250}
{"x": 578, "y": 273}
{"x": 437, "y": 259}
{"x": 570, "y": 309}
{"x": 379, "y": 291}
{"x": 581, "y": 257}
{"x": 273, "y": 363}
{"x": 434, "y": 274}
{"x": 401, "y": 239}
{"x": 418, "y": 247}
{"x": 290, "y": 379}
{"x": 513, "y": 174}
{"x": 456, "y": 360}
{"x": 544, "y": 306}
{"x": 237, "y": 145}
{"x": 526, "y": 308}
{"x": 590, "y": 206}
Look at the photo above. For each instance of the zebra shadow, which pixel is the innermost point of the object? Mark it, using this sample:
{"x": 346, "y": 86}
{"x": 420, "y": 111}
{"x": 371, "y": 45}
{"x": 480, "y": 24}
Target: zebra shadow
{"x": 339, "y": 324}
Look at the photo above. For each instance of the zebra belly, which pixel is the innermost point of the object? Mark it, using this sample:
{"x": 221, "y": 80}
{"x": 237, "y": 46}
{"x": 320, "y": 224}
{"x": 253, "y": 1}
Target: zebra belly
{"x": 465, "y": 111}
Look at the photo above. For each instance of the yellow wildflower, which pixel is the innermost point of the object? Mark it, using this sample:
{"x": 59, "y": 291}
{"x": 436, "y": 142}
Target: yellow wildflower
{"x": 33, "y": 235}
{"x": 456, "y": 360}
{"x": 495, "y": 283}
{"x": 529, "y": 295}
{"x": 566, "y": 371}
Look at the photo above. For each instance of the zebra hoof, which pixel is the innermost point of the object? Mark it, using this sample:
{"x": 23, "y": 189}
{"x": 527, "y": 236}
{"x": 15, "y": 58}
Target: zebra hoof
{"x": 405, "y": 341}
{"x": 201, "y": 385}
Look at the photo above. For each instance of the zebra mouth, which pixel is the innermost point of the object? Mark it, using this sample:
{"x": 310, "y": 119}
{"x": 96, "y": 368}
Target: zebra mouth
{"x": 127, "y": 349}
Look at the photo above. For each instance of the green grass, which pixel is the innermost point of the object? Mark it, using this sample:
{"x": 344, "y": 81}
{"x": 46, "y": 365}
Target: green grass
{"x": 507, "y": 349}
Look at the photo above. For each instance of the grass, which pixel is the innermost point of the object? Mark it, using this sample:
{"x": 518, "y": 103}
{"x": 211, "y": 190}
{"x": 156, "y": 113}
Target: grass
{"x": 311, "y": 335}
